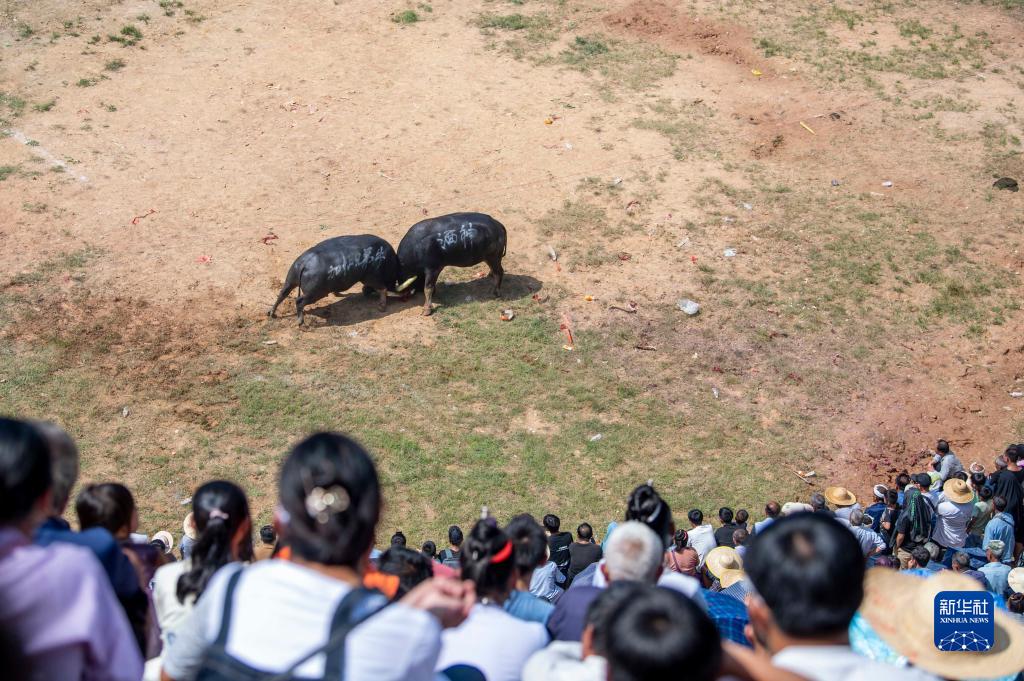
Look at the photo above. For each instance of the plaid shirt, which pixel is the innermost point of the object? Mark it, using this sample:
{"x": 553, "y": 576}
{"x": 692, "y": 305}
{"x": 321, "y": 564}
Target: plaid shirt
{"x": 728, "y": 614}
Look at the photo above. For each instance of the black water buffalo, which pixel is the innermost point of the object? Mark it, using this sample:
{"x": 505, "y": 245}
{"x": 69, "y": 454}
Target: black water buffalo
{"x": 336, "y": 265}
{"x": 460, "y": 240}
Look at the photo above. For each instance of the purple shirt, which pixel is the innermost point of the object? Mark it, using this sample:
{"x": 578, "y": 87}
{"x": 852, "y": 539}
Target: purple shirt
{"x": 58, "y": 601}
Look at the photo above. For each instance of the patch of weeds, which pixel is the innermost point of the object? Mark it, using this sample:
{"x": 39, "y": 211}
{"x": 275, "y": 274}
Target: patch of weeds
{"x": 25, "y": 31}
{"x": 87, "y": 82}
{"x": 914, "y": 29}
{"x": 574, "y": 217}
{"x": 64, "y": 262}
{"x": 95, "y": 40}
{"x": 109, "y": 107}
{"x": 425, "y": 7}
{"x": 32, "y": 65}
{"x": 32, "y": 143}
{"x": 7, "y": 171}
{"x": 193, "y": 17}
{"x": 407, "y": 16}
{"x": 944, "y": 103}
{"x": 772, "y": 48}
{"x": 115, "y": 65}
{"x": 29, "y": 207}
{"x": 527, "y": 34}
{"x": 683, "y": 126}
{"x": 169, "y": 6}
{"x": 15, "y": 105}
{"x": 144, "y": 18}
{"x": 504, "y": 22}
{"x": 634, "y": 65}
{"x": 130, "y": 35}
{"x": 44, "y": 106}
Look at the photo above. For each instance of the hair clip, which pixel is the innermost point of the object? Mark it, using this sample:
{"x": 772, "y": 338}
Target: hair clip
{"x": 320, "y": 501}
{"x": 217, "y": 513}
{"x": 504, "y": 554}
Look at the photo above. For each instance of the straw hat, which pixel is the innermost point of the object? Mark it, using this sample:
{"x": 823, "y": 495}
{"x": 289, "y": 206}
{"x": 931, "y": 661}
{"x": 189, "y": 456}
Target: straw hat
{"x": 166, "y": 537}
{"x": 189, "y": 526}
{"x": 900, "y": 609}
{"x": 1016, "y": 580}
{"x": 722, "y": 558}
{"x": 957, "y": 491}
{"x": 730, "y": 577}
{"x": 840, "y": 496}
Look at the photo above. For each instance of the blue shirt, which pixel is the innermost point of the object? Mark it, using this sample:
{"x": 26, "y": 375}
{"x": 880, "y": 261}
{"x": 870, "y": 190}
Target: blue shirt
{"x": 728, "y": 614}
{"x": 1001, "y": 528}
{"x": 762, "y": 525}
{"x": 875, "y": 510}
{"x": 119, "y": 569}
{"x": 996, "y": 574}
{"x": 569, "y": 617}
{"x": 525, "y": 606}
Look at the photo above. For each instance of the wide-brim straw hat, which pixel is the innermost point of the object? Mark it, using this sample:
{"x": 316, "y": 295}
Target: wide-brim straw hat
{"x": 840, "y": 496}
{"x": 189, "y": 526}
{"x": 900, "y": 608}
{"x": 1016, "y": 580}
{"x": 166, "y": 537}
{"x": 722, "y": 558}
{"x": 957, "y": 491}
{"x": 730, "y": 577}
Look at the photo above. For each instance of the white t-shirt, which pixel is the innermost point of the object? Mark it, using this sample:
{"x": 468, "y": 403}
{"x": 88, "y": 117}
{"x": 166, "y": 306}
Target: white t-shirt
{"x": 493, "y": 641}
{"x": 702, "y": 540}
{"x": 840, "y": 663}
{"x": 282, "y": 611}
{"x": 564, "y": 661}
{"x": 170, "y": 612}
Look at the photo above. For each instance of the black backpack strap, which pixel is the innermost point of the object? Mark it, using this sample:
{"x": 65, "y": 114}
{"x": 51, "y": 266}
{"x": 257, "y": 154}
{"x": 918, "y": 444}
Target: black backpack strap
{"x": 354, "y": 609}
{"x": 225, "y": 617}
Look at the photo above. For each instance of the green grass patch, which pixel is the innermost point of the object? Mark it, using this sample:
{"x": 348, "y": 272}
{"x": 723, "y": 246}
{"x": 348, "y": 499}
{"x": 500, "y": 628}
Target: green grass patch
{"x": 44, "y": 106}
{"x": 128, "y": 36}
{"x": 115, "y": 65}
{"x": 408, "y": 16}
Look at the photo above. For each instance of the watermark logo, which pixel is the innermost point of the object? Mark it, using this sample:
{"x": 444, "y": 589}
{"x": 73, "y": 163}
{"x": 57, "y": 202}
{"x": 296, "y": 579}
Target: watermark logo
{"x": 964, "y": 621}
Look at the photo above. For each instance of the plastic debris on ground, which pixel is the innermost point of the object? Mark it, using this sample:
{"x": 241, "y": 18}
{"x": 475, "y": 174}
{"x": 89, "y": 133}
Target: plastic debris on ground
{"x": 836, "y": 183}
{"x": 204, "y": 259}
{"x": 688, "y": 306}
{"x": 747, "y": 206}
{"x": 756, "y": 72}
{"x": 596, "y": 438}
{"x": 714, "y": 391}
{"x": 589, "y": 299}
{"x": 552, "y": 253}
{"x": 508, "y": 315}
{"x": 1016, "y": 394}
{"x": 887, "y": 183}
{"x": 807, "y": 128}
{"x": 625, "y": 256}
{"x": 125, "y": 412}
{"x": 270, "y": 342}
{"x": 729, "y": 252}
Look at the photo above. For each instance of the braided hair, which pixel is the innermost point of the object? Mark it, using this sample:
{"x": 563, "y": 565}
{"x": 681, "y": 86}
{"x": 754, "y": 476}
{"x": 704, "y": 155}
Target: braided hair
{"x": 219, "y": 508}
{"x": 646, "y": 506}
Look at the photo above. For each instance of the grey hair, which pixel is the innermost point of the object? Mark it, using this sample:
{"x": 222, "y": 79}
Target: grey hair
{"x": 856, "y": 517}
{"x": 633, "y": 553}
{"x": 63, "y": 462}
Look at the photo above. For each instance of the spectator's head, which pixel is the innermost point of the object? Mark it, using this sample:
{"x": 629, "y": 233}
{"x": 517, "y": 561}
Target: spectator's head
{"x": 330, "y": 496}
{"x": 808, "y": 571}
{"x": 977, "y": 480}
{"x": 552, "y": 523}
{"x": 602, "y": 611}
{"x": 961, "y": 562}
{"x": 887, "y": 562}
{"x": 1002, "y": 462}
{"x": 880, "y": 491}
{"x": 856, "y": 517}
{"x": 681, "y": 539}
{"x": 411, "y": 567}
{"x": 892, "y": 498}
{"x": 429, "y": 549}
{"x": 696, "y": 517}
{"x": 818, "y": 502}
{"x": 633, "y": 553}
{"x": 488, "y": 560}
{"x": 994, "y": 550}
{"x": 109, "y": 505}
{"x": 942, "y": 447}
{"x": 398, "y": 539}
{"x": 221, "y": 514}
{"x": 455, "y": 536}
{"x": 999, "y": 503}
{"x": 63, "y": 463}
{"x": 772, "y": 509}
{"x": 585, "y": 532}
{"x": 919, "y": 557}
{"x": 739, "y": 537}
{"x": 268, "y": 535}
{"x": 25, "y": 479}
{"x": 902, "y": 480}
{"x": 646, "y": 506}
{"x": 529, "y": 545}
{"x": 1015, "y": 603}
{"x": 742, "y": 516}
{"x": 725, "y": 515}
{"x": 985, "y": 493}
{"x": 659, "y": 633}
{"x": 923, "y": 481}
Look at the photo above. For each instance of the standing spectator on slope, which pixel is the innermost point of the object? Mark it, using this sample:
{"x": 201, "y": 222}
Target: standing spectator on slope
{"x": 268, "y": 542}
{"x": 952, "y": 516}
{"x": 948, "y": 462}
{"x": 55, "y": 600}
{"x": 277, "y": 615}
{"x": 1006, "y": 483}
{"x": 996, "y": 571}
{"x": 1000, "y": 528}
{"x": 982, "y": 512}
{"x": 887, "y": 521}
{"x": 680, "y": 557}
{"x": 583, "y": 551}
{"x": 903, "y": 480}
{"x": 875, "y": 510}
{"x": 491, "y": 639}
{"x": 558, "y": 543}
{"x": 809, "y": 581}
{"x": 914, "y": 525}
{"x": 530, "y": 551}
{"x": 450, "y": 556}
{"x": 221, "y": 514}
{"x": 701, "y": 535}
{"x": 723, "y": 535}
{"x": 771, "y": 513}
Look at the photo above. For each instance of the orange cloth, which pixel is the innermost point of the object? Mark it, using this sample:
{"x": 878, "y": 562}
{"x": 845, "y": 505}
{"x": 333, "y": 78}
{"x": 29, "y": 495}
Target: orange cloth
{"x": 386, "y": 584}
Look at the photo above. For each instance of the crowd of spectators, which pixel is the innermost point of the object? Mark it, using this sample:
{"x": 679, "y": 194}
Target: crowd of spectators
{"x": 830, "y": 589}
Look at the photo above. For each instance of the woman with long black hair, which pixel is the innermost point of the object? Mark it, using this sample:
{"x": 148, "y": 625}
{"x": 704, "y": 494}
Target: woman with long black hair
{"x": 224, "y": 535}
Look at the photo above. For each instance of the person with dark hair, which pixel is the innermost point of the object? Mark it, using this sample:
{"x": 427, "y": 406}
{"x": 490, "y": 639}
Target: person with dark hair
{"x": 558, "y": 544}
{"x": 887, "y": 521}
{"x": 902, "y": 481}
{"x": 583, "y": 551}
{"x": 450, "y": 556}
{"x": 739, "y": 540}
{"x": 876, "y": 509}
{"x": 220, "y": 512}
{"x": 530, "y": 551}
{"x": 919, "y": 561}
{"x": 771, "y": 511}
{"x": 701, "y": 535}
{"x": 398, "y": 539}
{"x": 645, "y": 505}
{"x": 1000, "y": 528}
{"x": 55, "y": 600}
{"x": 914, "y": 525}
{"x": 962, "y": 564}
{"x": 808, "y": 574}
{"x": 1006, "y": 482}
{"x": 948, "y": 463}
{"x": 682, "y": 557}
{"x": 491, "y": 639}
{"x": 723, "y": 535}
{"x": 742, "y": 516}
{"x": 411, "y": 568}
{"x": 656, "y": 634}
{"x": 429, "y": 550}
{"x": 310, "y": 615}
{"x": 267, "y": 543}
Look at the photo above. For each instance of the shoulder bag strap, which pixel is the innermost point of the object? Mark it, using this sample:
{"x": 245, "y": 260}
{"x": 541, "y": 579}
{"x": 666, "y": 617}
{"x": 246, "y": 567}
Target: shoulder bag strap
{"x": 225, "y": 617}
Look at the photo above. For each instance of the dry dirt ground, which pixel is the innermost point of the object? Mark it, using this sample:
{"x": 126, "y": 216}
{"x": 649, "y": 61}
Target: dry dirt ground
{"x": 163, "y": 163}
